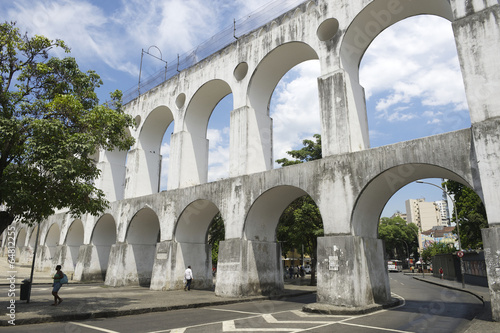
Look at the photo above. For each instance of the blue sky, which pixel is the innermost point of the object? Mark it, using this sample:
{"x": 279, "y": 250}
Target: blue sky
{"x": 410, "y": 73}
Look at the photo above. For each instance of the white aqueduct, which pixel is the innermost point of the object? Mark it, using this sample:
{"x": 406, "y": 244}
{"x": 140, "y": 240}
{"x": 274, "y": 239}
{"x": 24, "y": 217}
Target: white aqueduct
{"x": 148, "y": 237}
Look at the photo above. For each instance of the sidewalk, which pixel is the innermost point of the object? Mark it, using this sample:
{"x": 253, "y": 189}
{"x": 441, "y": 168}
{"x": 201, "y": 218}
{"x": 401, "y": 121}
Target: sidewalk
{"x": 483, "y": 322}
{"x": 84, "y": 301}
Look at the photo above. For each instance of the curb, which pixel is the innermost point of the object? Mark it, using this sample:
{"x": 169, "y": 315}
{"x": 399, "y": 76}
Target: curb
{"x": 119, "y": 313}
{"x": 454, "y": 288}
{"x": 328, "y": 309}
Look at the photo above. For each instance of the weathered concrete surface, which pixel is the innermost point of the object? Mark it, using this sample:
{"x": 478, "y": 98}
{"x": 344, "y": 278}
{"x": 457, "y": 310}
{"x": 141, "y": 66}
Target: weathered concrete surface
{"x": 249, "y": 268}
{"x": 351, "y": 271}
{"x": 150, "y": 237}
{"x": 491, "y": 240}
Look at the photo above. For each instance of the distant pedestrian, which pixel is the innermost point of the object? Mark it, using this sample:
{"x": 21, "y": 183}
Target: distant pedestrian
{"x": 441, "y": 272}
{"x": 57, "y": 285}
{"x": 296, "y": 271}
{"x": 290, "y": 271}
{"x": 188, "y": 276}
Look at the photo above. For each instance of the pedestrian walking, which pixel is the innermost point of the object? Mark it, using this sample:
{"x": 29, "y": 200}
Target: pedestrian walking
{"x": 188, "y": 276}
{"x": 441, "y": 272}
{"x": 57, "y": 285}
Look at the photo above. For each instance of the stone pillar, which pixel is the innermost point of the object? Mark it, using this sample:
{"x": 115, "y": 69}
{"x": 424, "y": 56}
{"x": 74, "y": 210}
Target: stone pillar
{"x": 250, "y": 143}
{"x": 112, "y": 177}
{"x": 143, "y": 173}
{"x": 343, "y": 114}
{"x": 188, "y": 160}
{"x": 352, "y": 271}
{"x": 491, "y": 241}
{"x": 63, "y": 257}
{"x": 92, "y": 264}
{"x": 477, "y": 34}
{"x": 164, "y": 266}
{"x": 247, "y": 268}
{"x": 130, "y": 264}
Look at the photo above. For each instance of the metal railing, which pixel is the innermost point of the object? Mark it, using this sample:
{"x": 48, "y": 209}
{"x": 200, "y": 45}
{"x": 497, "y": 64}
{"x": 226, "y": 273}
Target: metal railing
{"x": 217, "y": 42}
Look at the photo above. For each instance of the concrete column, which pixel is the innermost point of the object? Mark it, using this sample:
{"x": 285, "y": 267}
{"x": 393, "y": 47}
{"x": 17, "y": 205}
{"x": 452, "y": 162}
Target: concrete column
{"x": 112, "y": 178}
{"x": 188, "y": 160}
{"x": 130, "y": 264}
{"x": 351, "y": 271}
{"x": 92, "y": 264}
{"x": 247, "y": 268}
{"x": 250, "y": 147}
{"x": 343, "y": 114}
{"x": 491, "y": 241}
{"x": 477, "y": 34}
{"x": 164, "y": 265}
{"x": 143, "y": 173}
{"x": 64, "y": 258}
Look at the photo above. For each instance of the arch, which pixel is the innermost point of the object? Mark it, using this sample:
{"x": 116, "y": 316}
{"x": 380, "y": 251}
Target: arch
{"x": 193, "y": 223}
{"x": 142, "y": 235}
{"x": 144, "y": 228}
{"x": 191, "y": 236}
{"x": 272, "y": 68}
{"x": 74, "y": 239}
{"x": 103, "y": 237}
{"x": 150, "y": 140}
{"x": 263, "y": 216}
{"x": 32, "y": 240}
{"x": 380, "y": 189}
{"x": 202, "y": 104}
{"x": 104, "y": 232}
{"x": 21, "y": 238}
{"x": 52, "y": 239}
{"x": 20, "y": 244}
{"x": 376, "y": 17}
{"x": 153, "y": 129}
{"x": 190, "y": 149}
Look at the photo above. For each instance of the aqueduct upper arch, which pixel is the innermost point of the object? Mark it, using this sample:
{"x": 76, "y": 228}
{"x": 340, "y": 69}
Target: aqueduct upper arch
{"x": 343, "y": 183}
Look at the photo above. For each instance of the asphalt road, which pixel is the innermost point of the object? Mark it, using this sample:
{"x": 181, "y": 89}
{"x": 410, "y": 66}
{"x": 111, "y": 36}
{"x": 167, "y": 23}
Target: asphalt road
{"x": 426, "y": 308}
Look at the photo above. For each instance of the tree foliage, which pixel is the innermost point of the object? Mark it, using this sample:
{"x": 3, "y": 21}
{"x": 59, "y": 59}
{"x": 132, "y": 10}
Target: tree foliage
{"x": 471, "y": 214}
{"x": 216, "y": 233}
{"x": 399, "y": 237}
{"x": 51, "y": 130}
{"x": 310, "y": 152}
{"x": 437, "y": 248}
{"x": 301, "y": 222}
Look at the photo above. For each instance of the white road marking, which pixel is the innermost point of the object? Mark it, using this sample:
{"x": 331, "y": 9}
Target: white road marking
{"x": 93, "y": 327}
{"x": 229, "y": 326}
{"x": 373, "y": 327}
{"x": 245, "y": 312}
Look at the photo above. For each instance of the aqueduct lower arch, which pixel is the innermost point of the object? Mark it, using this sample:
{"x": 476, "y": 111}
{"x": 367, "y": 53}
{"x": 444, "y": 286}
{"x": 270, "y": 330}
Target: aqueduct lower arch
{"x": 342, "y": 184}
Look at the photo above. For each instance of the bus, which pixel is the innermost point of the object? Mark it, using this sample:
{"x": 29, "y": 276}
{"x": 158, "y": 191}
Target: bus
{"x": 395, "y": 266}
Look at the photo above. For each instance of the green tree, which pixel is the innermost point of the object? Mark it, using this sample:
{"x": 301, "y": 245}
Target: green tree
{"x": 216, "y": 233}
{"x": 301, "y": 222}
{"x": 437, "y": 248}
{"x": 301, "y": 225}
{"x": 399, "y": 237}
{"x": 310, "y": 152}
{"x": 471, "y": 214}
{"x": 51, "y": 129}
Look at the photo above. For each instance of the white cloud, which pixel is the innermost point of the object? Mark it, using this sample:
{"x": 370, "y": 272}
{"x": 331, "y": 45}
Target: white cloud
{"x": 295, "y": 109}
{"x": 413, "y": 63}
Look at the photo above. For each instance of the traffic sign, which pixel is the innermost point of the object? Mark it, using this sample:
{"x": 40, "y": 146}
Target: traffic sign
{"x": 460, "y": 254}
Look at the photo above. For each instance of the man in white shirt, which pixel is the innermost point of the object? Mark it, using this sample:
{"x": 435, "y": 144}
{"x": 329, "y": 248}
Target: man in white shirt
{"x": 188, "y": 276}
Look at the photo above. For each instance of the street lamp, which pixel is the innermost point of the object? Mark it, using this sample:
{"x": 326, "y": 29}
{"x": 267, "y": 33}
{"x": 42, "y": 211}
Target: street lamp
{"x": 458, "y": 228}
{"x": 407, "y": 251}
{"x": 419, "y": 249}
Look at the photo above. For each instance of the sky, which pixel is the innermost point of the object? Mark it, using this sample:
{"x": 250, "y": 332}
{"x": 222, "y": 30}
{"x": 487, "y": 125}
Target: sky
{"x": 411, "y": 74}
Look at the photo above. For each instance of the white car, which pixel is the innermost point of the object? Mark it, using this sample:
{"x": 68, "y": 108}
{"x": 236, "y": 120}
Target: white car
{"x": 307, "y": 269}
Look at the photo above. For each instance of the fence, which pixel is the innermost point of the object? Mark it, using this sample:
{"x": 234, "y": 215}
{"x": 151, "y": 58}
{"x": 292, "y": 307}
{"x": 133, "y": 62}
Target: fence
{"x": 222, "y": 39}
